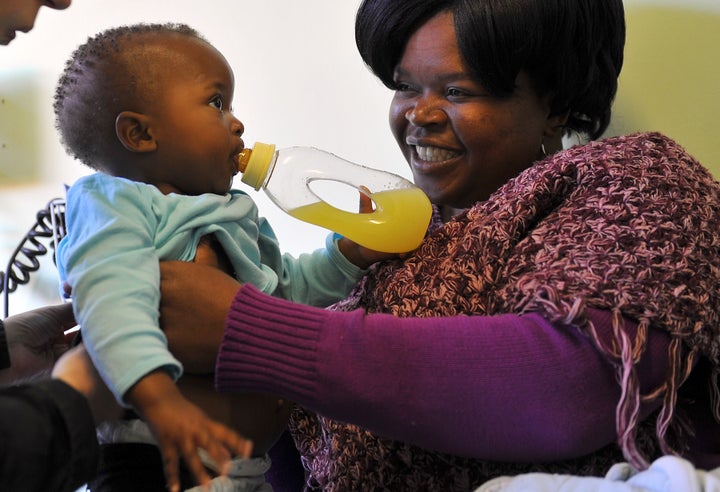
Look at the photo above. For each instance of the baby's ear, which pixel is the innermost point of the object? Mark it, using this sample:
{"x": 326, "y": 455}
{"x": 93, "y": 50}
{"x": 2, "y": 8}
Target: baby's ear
{"x": 134, "y": 133}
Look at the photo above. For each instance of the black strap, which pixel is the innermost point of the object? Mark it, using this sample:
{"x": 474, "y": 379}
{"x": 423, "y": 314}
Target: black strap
{"x": 4, "y": 351}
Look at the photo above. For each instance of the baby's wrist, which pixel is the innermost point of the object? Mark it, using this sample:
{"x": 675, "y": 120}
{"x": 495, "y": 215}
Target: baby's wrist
{"x": 152, "y": 389}
{"x": 352, "y": 252}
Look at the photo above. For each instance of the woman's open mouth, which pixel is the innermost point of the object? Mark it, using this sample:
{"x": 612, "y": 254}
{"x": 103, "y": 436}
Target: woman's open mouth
{"x": 434, "y": 154}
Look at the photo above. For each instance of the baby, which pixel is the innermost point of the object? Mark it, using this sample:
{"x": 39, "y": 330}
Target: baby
{"x": 149, "y": 107}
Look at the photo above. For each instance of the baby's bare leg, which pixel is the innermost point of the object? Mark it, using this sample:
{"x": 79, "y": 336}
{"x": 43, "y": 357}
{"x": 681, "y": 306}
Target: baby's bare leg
{"x": 261, "y": 418}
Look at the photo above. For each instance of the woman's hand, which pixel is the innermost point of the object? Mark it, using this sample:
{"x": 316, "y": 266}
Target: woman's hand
{"x": 36, "y": 339}
{"x": 194, "y": 301}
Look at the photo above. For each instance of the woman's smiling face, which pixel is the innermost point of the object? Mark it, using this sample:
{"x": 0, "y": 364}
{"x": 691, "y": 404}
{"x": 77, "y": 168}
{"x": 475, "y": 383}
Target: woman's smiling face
{"x": 461, "y": 142}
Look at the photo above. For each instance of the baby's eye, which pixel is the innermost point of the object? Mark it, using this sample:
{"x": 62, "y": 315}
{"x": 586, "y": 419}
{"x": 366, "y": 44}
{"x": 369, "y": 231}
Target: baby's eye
{"x": 217, "y": 102}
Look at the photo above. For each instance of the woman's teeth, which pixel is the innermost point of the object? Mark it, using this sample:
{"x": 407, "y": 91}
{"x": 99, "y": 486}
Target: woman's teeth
{"x": 434, "y": 154}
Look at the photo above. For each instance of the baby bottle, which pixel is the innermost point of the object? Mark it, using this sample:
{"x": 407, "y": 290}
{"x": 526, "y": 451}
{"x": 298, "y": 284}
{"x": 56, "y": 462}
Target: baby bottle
{"x": 401, "y": 210}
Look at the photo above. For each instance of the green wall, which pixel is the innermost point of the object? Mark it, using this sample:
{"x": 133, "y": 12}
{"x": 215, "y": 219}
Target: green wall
{"x": 671, "y": 78}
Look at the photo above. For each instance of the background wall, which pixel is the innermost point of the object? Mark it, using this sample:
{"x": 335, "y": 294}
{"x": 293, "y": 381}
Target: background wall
{"x": 671, "y": 78}
{"x": 299, "y": 81}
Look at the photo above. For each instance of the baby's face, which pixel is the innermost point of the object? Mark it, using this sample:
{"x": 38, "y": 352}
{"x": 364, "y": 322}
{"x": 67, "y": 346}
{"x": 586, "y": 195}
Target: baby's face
{"x": 198, "y": 137}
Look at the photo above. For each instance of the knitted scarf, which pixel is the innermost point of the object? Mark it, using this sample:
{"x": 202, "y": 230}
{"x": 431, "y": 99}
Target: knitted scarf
{"x": 629, "y": 224}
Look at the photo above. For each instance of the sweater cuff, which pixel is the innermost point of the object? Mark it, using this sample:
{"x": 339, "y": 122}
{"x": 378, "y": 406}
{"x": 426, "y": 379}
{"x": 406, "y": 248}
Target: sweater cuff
{"x": 269, "y": 343}
{"x": 4, "y": 350}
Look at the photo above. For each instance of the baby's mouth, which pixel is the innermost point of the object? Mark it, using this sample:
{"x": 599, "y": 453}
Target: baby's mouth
{"x": 236, "y": 163}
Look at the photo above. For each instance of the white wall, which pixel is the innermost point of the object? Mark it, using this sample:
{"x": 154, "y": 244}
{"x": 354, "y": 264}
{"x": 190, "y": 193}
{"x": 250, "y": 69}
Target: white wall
{"x": 299, "y": 81}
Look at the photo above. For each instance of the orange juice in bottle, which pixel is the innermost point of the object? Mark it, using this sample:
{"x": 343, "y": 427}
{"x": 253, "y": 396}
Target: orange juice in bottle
{"x": 401, "y": 210}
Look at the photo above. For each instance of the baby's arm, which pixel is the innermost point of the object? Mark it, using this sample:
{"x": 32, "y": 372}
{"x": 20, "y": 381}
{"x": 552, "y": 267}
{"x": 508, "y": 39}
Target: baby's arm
{"x": 322, "y": 277}
{"x": 181, "y": 428}
{"x": 110, "y": 261}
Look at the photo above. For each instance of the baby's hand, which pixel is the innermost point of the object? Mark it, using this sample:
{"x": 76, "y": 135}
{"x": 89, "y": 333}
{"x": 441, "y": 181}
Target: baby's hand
{"x": 361, "y": 256}
{"x": 181, "y": 428}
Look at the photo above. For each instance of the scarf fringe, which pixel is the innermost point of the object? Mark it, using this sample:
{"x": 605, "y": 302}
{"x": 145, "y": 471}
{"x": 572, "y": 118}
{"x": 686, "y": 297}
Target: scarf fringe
{"x": 624, "y": 353}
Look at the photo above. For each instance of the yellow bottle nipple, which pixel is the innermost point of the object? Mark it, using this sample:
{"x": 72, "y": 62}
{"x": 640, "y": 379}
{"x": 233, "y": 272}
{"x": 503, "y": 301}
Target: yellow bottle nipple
{"x": 254, "y": 163}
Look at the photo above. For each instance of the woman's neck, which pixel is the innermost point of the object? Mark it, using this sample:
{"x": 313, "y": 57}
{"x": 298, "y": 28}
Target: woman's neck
{"x": 447, "y": 213}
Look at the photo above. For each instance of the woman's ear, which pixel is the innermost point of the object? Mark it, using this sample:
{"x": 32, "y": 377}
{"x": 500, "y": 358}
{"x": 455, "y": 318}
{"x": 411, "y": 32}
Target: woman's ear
{"x": 555, "y": 125}
{"x": 553, "y": 133}
{"x": 134, "y": 132}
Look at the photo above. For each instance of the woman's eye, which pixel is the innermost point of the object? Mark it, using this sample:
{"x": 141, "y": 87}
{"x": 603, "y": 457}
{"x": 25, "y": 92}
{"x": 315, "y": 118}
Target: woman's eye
{"x": 406, "y": 90}
{"x": 401, "y": 86}
{"x": 455, "y": 92}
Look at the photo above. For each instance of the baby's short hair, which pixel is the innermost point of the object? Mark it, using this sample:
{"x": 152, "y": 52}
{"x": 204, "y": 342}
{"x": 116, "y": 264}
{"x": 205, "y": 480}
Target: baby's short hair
{"x": 103, "y": 77}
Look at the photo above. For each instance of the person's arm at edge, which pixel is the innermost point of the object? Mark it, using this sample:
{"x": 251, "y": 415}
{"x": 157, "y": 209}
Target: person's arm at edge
{"x": 49, "y": 441}
{"x": 377, "y": 372}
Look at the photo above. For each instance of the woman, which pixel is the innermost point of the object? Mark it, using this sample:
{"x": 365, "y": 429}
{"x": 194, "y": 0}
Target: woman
{"x": 556, "y": 307}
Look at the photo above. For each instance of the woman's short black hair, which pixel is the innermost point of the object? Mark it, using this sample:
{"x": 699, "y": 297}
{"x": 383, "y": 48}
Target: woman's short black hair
{"x": 571, "y": 50}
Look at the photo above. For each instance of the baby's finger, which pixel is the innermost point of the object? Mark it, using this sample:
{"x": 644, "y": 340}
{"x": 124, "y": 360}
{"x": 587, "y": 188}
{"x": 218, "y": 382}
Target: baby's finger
{"x": 216, "y": 457}
{"x": 366, "y": 203}
{"x": 170, "y": 464}
{"x": 226, "y": 444}
{"x": 239, "y": 446}
{"x": 236, "y": 444}
{"x": 191, "y": 454}
{"x": 196, "y": 467}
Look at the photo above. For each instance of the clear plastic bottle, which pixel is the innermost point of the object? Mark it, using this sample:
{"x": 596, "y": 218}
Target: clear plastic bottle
{"x": 401, "y": 211}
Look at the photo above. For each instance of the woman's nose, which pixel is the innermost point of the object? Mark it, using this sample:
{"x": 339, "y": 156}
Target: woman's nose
{"x": 58, "y": 4}
{"x": 424, "y": 113}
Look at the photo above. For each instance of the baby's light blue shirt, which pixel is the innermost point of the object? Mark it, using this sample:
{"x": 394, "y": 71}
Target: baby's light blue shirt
{"x": 118, "y": 232}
